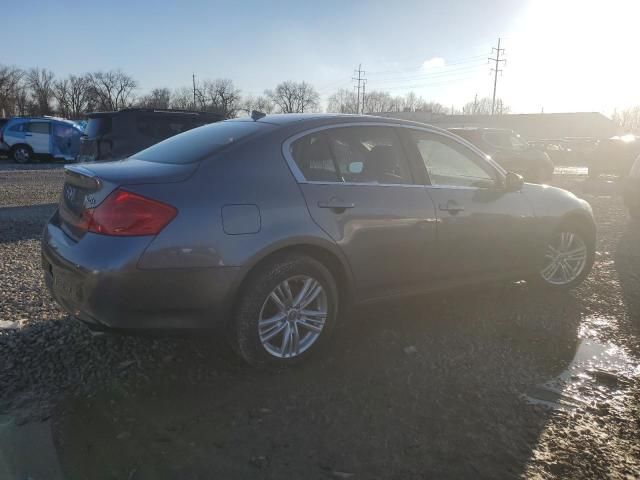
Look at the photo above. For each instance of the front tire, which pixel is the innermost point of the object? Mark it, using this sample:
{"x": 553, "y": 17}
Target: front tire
{"x": 286, "y": 312}
{"x": 22, "y": 154}
{"x": 568, "y": 258}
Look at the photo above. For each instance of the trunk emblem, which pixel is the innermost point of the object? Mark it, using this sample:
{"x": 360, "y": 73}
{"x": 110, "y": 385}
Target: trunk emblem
{"x": 69, "y": 193}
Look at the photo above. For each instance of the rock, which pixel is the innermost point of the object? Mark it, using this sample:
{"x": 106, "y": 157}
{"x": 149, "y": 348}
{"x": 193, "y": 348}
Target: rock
{"x": 123, "y": 436}
{"x": 410, "y": 350}
{"x": 9, "y": 325}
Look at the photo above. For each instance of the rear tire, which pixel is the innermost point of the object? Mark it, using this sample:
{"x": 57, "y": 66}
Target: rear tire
{"x": 267, "y": 312}
{"x": 22, "y": 154}
{"x": 568, "y": 258}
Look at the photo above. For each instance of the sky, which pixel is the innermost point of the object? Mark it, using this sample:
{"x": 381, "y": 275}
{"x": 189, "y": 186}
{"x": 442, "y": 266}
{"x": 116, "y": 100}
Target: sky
{"x": 562, "y": 55}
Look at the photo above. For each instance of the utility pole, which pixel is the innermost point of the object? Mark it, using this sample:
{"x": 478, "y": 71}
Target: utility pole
{"x": 498, "y": 51}
{"x": 360, "y": 78}
{"x": 193, "y": 76}
{"x": 475, "y": 105}
{"x": 364, "y": 86}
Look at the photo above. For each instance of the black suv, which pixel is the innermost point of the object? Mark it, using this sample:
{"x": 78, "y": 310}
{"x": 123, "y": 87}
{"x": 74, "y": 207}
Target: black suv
{"x": 510, "y": 151}
{"x": 116, "y": 135}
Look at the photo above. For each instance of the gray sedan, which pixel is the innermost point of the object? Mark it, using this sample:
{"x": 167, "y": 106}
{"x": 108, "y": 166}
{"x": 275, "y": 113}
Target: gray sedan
{"x": 265, "y": 228}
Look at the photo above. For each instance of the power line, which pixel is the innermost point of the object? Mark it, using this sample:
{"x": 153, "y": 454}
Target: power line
{"x": 498, "y": 51}
{"x": 459, "y": 61}
{"x": 434, "y": 75}
{"x": 361, "y": 81}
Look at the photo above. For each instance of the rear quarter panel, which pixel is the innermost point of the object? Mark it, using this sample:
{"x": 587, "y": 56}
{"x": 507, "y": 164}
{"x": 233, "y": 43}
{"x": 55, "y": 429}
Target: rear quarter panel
{"x": 252, "y": 174}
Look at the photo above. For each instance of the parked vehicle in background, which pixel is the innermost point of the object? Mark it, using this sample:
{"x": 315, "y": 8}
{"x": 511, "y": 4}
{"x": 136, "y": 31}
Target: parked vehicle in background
{"x": 510, "y": 151}
{"x": 632, "y": 190}
{"x": 32, "y": 138}
{"x": 614, "y": 156}
{"x": 117, "y": 135}
{"x": 270, "y": 226}
{"x": 4, "y": 148}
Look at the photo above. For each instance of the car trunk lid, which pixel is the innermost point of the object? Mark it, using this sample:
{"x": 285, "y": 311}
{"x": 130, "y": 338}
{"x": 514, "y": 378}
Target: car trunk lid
{"x": 87, "y": 185}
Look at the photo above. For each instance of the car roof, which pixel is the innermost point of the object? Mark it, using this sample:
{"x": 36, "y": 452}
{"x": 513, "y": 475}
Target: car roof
{"x": 480, "y": 129}
{"x": 157, "y": 111}
{"x": 321, "y": 119}
{"x": 44, "y": 119}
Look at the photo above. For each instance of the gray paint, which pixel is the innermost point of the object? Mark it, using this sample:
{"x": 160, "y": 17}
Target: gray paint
{"x": 241, "y": 204}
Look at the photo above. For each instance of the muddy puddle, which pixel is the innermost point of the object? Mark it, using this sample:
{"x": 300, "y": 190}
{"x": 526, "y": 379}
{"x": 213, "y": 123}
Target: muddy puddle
{"x": 599, "y": 373}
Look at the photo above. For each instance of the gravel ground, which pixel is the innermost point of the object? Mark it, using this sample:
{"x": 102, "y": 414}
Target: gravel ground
{"x": 499, "y": 382}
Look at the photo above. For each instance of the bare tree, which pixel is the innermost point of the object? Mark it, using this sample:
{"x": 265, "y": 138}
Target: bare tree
{"x": 73, "y": 95}
{"x": 431, "y": 107}
{"x": 411, "y": 102}
{"x": 628, "y": 119}
{"x": 378, "y": 102}
{"x": 219, "y": 96}
{"x": 10, "y": 85}
{"x": 293, "y": 97}
{"x": 158, "y": 98}
{"x": 260, "y": 103}
{"x": 112, "y": 90}
{"x": 40, "y": 84}
{"x": 343, "y": 101}
{"x": 482, "y": 106}
{"x": 182, "y": 99}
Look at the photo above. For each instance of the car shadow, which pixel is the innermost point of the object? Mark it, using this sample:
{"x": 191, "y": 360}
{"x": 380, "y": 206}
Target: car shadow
{"x": 427, "y": 388}
{"x": 24, "y": 223}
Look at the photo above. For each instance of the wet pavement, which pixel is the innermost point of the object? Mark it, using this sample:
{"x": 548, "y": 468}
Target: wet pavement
{"x": 496, "y": 382}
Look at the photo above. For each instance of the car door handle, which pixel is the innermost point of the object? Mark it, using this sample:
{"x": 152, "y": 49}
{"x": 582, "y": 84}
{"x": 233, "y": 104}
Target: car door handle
{"x": 335, "y": 204}
{"x": 451, "y": 207}
{"x": 27, "y": 135}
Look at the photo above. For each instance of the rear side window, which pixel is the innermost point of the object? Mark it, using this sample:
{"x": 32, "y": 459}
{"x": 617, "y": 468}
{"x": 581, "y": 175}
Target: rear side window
{"x": 195, "y": 144}
{"x": 353, "y": 155}
{"x": 17, "y": 128}
{"x": 38, "y": 127}
{"x": 314, "y": 159}
{"x": 98, "y": 126}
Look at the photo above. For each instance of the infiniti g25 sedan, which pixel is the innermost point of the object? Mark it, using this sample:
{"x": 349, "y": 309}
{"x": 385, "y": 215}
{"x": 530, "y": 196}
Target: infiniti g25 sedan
{"x": 264, "y": 229}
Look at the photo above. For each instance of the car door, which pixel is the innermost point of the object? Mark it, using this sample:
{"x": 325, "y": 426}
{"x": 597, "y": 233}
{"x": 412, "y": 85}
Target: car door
{"x": 483, "y": 229}
{"x": 38, "y": 136}
{"x": 360, "y": 190}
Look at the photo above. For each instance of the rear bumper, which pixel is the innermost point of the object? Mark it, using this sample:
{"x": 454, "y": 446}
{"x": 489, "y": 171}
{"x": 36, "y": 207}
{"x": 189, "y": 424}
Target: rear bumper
{"x": 98, "y": 282}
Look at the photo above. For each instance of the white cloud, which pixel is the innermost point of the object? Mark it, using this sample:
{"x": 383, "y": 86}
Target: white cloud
{"x": 435, "y": 62}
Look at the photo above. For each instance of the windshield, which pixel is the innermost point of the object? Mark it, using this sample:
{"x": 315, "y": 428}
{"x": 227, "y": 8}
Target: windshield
{"x": 195, "y": 144}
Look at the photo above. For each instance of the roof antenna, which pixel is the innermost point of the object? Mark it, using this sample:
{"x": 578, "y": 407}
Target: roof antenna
{"x": 256, "y": 115}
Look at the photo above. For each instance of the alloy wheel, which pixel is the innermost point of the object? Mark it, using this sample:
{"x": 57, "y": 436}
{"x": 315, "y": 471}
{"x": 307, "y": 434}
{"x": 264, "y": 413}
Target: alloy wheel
{"x": 293, "y": 316}
{"x": 21, "y": 155}
{"x": 565, "y": 258}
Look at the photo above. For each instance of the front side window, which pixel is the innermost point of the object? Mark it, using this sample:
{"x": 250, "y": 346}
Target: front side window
{"x": 38, "y": 127}
{"x": 450, "y": 164}
{"x": 370, "y": 155}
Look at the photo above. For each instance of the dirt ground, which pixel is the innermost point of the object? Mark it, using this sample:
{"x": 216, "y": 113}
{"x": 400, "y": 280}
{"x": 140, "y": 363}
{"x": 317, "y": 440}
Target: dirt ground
{"x": 495, "y": 382}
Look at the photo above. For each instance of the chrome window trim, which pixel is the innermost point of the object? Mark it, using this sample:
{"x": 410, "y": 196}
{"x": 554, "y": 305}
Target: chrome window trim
{"x": 297, "y": 173}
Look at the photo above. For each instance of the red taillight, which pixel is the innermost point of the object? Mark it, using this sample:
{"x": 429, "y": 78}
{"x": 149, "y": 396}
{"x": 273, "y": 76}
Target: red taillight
{"x": 125, "y": 213}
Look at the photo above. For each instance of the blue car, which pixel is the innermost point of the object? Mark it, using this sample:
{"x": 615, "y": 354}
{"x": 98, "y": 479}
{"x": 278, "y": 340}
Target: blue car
{"x": 28, "y": 138}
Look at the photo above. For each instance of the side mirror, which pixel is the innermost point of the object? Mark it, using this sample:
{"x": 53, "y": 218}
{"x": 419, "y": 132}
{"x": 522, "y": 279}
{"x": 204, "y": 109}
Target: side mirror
{"x": 513, "y": 182}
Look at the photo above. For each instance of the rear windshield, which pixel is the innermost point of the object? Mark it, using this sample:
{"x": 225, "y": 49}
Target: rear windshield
{"x": 98, "y": 126}
{"x": 195, "y": 144}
